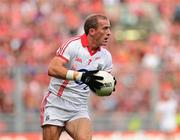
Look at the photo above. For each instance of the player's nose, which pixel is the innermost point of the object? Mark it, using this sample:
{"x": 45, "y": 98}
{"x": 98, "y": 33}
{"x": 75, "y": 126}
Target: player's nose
{"x": 108, "y": 32}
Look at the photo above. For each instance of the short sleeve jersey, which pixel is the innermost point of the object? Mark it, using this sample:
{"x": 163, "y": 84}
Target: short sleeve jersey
{"x": 79, "y": 57}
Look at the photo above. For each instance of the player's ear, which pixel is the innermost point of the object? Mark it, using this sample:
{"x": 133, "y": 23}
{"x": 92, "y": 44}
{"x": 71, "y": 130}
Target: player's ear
{"x": 91, "y": 31}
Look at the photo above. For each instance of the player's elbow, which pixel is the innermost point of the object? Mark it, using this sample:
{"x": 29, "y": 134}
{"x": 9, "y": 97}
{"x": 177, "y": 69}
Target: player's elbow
{"x": 50, "y": 71}
{"x": 54, "y": 72}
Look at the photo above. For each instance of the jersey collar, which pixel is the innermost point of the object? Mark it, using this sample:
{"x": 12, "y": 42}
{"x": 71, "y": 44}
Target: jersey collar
{"x": 85, "y": 43}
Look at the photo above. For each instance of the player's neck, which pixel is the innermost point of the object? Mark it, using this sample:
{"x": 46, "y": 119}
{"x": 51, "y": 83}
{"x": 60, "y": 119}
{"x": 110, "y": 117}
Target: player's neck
{"x": 92, "y": 44}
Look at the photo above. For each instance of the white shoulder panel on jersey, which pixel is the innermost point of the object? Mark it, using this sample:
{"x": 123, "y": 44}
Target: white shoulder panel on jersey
{"x": 108, "y": 64}
{"x": 68, "y": 48}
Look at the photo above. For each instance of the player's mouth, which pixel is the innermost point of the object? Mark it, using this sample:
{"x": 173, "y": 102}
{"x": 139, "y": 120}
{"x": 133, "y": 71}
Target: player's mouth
{"x": 105, "y": 40}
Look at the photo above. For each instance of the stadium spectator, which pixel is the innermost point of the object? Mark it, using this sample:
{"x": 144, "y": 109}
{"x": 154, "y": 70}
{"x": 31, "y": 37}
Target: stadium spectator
{"x": 166, "y": 110}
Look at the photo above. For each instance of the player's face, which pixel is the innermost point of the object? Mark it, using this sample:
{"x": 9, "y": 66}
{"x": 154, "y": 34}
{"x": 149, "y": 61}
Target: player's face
{"x": 102, "y": 33}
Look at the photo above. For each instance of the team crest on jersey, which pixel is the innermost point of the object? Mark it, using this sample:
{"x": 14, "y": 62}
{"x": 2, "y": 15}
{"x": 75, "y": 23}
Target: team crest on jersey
{"x": 78, "y": 59}
{"x": 99, "y": 67}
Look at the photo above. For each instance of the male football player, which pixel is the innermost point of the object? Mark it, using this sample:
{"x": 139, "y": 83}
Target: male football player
{"x": 72, "y": 73}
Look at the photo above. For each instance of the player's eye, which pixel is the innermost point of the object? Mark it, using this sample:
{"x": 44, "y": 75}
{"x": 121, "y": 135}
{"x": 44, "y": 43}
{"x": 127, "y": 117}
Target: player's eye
{"x": 106, "y": 28}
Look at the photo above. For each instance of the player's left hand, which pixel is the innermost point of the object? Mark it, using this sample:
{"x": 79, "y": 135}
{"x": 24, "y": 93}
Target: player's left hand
{"x": 90, "y": 79}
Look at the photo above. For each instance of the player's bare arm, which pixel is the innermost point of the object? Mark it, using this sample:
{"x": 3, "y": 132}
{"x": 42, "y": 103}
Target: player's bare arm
{"x": 57, "y": 69}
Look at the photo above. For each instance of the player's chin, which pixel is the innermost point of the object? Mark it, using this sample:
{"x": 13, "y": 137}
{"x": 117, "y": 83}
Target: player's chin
{"x": 104, "y": 44}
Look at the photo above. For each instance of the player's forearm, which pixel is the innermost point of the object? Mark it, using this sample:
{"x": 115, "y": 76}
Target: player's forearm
{"x": 57, "y": 69}
{"x": 59, "y": 73}
{"x": 64, "y": 73}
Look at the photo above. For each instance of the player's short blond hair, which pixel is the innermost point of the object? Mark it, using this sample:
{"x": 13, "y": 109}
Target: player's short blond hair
{"x": 92, "y": 22}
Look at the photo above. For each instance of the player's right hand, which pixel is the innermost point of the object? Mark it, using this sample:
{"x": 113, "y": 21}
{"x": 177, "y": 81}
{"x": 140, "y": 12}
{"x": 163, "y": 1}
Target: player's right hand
{"x": 115, "y": 82}
{"x": 90, "y": 79}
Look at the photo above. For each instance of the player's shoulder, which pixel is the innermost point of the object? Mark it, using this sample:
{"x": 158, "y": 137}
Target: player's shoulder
{"x": 105, "y": 51}
{"x": 72, "y": 40}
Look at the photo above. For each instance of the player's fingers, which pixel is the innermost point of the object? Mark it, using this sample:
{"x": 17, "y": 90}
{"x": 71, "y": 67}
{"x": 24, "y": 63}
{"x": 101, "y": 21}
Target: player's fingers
{"x": 98, "y": 77}
{"x": 92, "y": 88}
{"x": 115, "y": 81}
{"x": 98, "y": 85}
{"x": 94, "y": 71}
{"x": 114, "y": 89}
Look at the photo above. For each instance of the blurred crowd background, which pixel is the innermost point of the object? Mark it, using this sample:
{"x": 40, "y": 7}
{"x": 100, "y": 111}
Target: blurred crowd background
{"x": 145, "y": 46}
